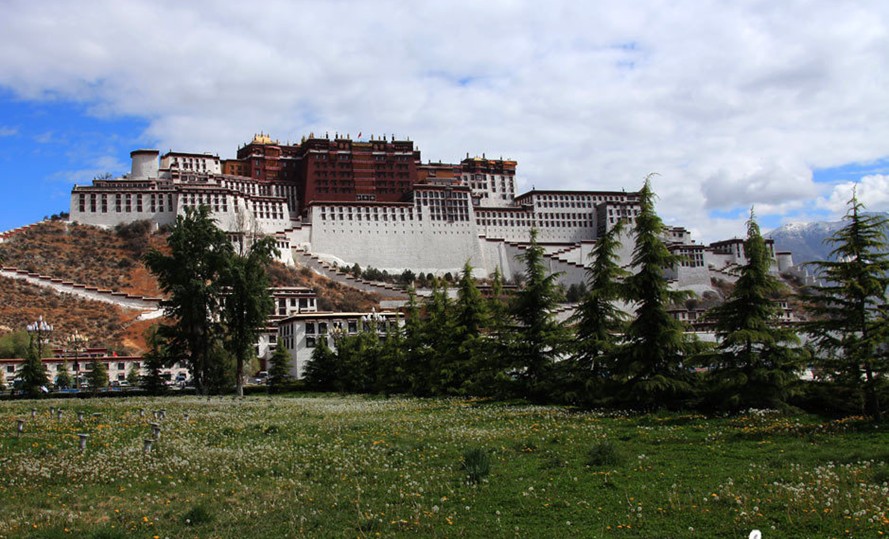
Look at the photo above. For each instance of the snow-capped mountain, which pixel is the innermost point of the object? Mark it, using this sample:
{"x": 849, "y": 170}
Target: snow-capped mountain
{"x": 806, "y": 240}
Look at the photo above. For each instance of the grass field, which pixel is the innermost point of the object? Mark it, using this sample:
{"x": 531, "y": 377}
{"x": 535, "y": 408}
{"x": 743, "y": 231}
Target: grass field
{"x": 358, "y": 467}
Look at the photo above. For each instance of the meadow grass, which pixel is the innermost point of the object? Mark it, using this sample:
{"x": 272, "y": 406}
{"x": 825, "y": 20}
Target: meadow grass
{"x": 336, "y": 466}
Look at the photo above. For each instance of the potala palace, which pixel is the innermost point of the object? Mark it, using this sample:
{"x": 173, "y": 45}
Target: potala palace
{"x": 375, "y": 203}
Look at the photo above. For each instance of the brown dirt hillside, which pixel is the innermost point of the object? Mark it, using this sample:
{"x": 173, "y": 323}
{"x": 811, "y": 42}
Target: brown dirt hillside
{"x": 111, "y": 259}
{"x": 103, "y": 324}
{"x": 84, "y": 254}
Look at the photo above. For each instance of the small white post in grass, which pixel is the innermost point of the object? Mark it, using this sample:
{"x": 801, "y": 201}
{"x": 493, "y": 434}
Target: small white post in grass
{"x": 83, "y": 438}
{"x": 80, "y": 417}
{"x": 52, "y": 411}
{"x": 163, "y": 413}
{"x": 146, "y": 445}
{"x": 185, "y": 416}
{"x": 156, "y": 430}
{"x": 20, "y": 426}
{"x": 33, "y": 413}
{"x": 157, "y": 414}
{"x": 59, "y": 414}
{"x": 141, "y": 412}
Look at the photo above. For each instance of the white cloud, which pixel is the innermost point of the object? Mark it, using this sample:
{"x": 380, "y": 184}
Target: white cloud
{"x": 733, "y": 103}
{"x": 6, "y": 131}
{"x": 871, "y": 190}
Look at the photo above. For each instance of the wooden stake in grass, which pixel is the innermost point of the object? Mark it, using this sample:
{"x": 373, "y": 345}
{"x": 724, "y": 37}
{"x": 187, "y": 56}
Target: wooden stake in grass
{"x": 20, "y": 426}
{"x": 33, "y": 413}
{"x": 83, "y": 438}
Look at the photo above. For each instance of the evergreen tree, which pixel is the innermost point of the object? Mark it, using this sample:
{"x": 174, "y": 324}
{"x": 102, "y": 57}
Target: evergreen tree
{"x": 154, "y": 361}
{"x": 358, "y": 358}
{"x": 33, "y": 373}
{"x": 652, "y": 360}
{"x": 757, "y": 359}
{"x": 471, "y": 320}
{"x": 220, "y": 371}
{"x": 191, "y": 276}
{"x": 599, "y": 321}
{"x": 537, "y": 340}
{"x": 247, "y": 302}
{"x": 97, "y": 377}
{"x": 322, "y": 370}
{"x": 849, "y": 324}
{"x": 439, "y": 334}
{"x": 418, "y": 353}
{"x": 279, "y": 370}
{"x": 133, "y": 375}
{"x": 63, "y": 378}
{"x": 392, "y": 373}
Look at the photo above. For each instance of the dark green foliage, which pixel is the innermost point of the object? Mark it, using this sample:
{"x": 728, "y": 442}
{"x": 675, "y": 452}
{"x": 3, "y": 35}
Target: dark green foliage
{"x": 472, "y": 350}
{"x": 197, "y": 515}
{"x": 97, "y": 376}
{"x": 63, "y": 379}
{"x": 418, "y": 352}
{"x": 439, "y": 335}
{"x": 604, "y": 453}
{"x": 537, "y": 340}
{"x": 653, "y": 363}
{"x": 322, "y": 371}
{"x": 757, "y": 359}
{"x": 247, "y": 302}
{"x": 599, "y": 322}
{"x": 14, "y": 345}
{"x": 476, "y": 464}
{"x": 33, "y": 374}
{"x": 358, "y": 361}
{"x": 407, "y": 277}
{"x": 133, "y": 376}
{"x": 849, "y": 311}
{"x": 576, "y": 292}
{"x": 279, "y": 369}
{"x": 192, "y": 277}
{"x": 154, "y": 361}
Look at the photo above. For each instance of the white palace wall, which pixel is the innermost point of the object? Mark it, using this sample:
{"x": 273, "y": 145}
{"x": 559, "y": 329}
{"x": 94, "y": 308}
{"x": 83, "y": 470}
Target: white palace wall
{"x": 421, "y": 245}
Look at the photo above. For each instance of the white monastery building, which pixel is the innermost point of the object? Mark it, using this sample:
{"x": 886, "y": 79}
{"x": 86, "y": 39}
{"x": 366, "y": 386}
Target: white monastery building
{"x": 375, "y": 203}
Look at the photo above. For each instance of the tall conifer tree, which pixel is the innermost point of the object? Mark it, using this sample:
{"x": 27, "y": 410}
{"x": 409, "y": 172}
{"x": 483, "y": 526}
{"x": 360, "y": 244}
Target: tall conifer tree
{"x": 756, "y": 359}
{"x": 247, "y": 303}
{"x": 537, "y": 339}
{"x": 471, "y": 320}
{"x": 191, "y": 276}
{"x": 599, "y": 320}
{"x": 849, "y": 324}
{"x": 652, "y": 361}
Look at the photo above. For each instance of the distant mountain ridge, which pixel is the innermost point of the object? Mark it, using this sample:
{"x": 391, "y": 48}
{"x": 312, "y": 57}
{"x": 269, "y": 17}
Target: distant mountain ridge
{"x": 807, "y": 240}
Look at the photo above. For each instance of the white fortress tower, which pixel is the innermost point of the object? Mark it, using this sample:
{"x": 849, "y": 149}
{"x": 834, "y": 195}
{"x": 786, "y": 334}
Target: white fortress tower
{"x": 145, "y": 164}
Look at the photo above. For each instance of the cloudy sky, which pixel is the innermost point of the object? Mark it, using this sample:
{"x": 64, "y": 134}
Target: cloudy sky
{"x": 777, "y": 105}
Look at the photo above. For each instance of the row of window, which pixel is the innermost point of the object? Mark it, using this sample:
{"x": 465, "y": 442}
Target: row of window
{"x": 124, "y": 203}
